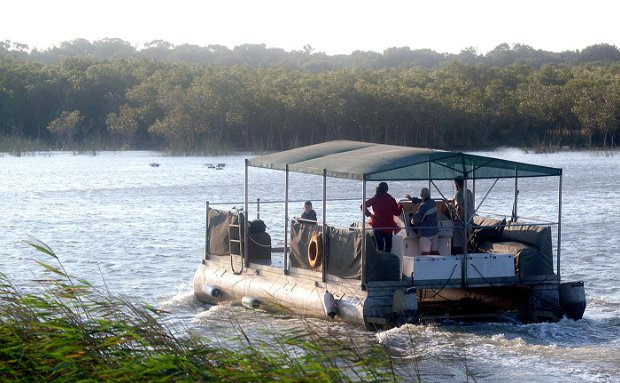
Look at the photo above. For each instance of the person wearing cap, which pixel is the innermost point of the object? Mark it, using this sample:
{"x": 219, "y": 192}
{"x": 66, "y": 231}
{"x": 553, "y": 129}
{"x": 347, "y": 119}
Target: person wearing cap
{"x": 425, "y": 221}
{"x": 384, "y": 208}
{"x": 460, "y": 205}
{"x": 309, "y": 214}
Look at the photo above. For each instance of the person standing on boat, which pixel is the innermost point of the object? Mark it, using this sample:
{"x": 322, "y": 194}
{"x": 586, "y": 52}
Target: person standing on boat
{"x": 460, "y": 205}
{"x": 384, "y": 208}
{"x": 309, "y": 214}
{"x": 425, "y": 220}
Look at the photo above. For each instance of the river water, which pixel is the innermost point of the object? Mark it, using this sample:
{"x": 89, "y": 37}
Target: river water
{"x": 111, "y": 218}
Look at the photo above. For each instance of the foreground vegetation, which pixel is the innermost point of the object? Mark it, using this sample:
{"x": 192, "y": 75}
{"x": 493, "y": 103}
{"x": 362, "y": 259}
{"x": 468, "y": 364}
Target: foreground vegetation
{"x": 109, "y": 96}
{"x": 68, "y": 332}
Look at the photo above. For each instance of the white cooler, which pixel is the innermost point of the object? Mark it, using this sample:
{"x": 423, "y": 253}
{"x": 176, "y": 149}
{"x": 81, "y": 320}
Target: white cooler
{"x": 433, "y": 268}
{"x": 411, "y": 246}
{"x": 486, "y": 267}
{"x": 444, "y": 237}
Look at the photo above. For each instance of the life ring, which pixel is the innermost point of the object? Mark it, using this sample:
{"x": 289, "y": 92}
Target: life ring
{"x": 315, "y": 250}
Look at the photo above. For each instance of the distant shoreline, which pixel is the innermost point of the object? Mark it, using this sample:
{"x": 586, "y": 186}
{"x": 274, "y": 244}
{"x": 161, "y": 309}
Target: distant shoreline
{"x": 51, "y": 151}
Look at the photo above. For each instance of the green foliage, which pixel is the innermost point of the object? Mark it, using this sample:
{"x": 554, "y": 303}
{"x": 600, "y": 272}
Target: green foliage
{"x": 65, "y": 127}
{"x": 192, "y": 99}
{"x": 70, "y": 332}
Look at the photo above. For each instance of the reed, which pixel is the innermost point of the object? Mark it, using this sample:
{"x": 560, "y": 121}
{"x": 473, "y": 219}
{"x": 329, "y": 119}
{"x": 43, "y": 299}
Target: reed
{"x": 69, "y": 331}
{"x": 18, "y": 146}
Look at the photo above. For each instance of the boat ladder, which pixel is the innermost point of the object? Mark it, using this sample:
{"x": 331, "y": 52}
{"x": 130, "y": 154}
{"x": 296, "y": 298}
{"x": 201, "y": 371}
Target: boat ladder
{"x": 235, "y": 239}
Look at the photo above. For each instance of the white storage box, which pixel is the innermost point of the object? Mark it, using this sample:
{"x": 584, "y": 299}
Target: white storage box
{"x": 444, "y": 237}
{"x": 444, "y": 245}
{"x": 411, "y": 246}
{"x": 445, "y": 228}
{"x": 434, "y": 268}
{"x": 487, "y": 266}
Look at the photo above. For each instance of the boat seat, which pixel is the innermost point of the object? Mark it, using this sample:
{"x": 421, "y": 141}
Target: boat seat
{"x": 382, "y": 266}
{"x": 531, "y": 246}
{"x": 259, "y": 247}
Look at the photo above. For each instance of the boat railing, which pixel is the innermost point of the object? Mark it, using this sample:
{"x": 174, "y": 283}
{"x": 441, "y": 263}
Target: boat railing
{"x": 524, "y": 221}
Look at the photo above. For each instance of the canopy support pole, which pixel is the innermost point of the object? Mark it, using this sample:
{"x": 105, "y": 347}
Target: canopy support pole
{"x": 285, "y": 263}
{"x": 473, "y": 189}
{"x": 559, "y": 227}
{"x": 429, "y": 175}
{"x": 363, "y": 243}
{"x": 465, "y": 223}
{"x": 207, "y": 231}
{"x": 244, "y": 254}
{"x": 515, "y": 216}
{"x": 324, "y": 228}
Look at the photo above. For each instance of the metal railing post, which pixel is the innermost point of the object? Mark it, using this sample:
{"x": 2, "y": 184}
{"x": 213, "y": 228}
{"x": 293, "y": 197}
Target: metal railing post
{"x": 244, "y": 254}
{"x": 363, "y": 243}
{"x": 285, "y": 262}
{"x": 559, "y": 226}
{"x": 206, "y": 231}
{"x": 323, "y": 227}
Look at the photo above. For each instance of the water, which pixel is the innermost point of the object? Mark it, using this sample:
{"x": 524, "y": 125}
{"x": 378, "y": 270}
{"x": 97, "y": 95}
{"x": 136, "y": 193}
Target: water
{"x": 113, "y": 219}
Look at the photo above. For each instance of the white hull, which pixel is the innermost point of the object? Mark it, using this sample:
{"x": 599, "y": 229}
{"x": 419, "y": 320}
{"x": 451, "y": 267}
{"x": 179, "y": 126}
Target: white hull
{"x": 303, "y": 293}
{"x": 383, "y": 304}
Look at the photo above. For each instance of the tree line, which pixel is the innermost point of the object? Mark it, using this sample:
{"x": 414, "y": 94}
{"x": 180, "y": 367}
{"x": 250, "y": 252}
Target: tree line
{"x": 245, "y": 99}
{"x": 307, "y": 58}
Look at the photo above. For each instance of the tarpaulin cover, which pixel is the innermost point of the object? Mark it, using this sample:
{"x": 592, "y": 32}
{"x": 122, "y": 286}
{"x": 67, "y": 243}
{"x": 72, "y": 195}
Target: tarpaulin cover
{"x": 362, "y": 160}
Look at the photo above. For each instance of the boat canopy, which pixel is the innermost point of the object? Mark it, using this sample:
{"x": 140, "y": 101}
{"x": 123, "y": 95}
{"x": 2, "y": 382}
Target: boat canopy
{"x": 377, "y": 162}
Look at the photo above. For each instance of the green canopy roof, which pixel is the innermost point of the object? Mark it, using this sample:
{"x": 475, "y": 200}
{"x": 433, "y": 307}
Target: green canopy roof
{"x": 376, "y": 162}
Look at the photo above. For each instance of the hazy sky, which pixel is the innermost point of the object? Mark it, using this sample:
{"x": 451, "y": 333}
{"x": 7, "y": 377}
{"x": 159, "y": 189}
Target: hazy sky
{"x": 335, "y": 26}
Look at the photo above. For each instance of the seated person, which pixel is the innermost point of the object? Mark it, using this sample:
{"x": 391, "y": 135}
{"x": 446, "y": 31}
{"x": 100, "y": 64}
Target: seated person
{"x": 309, "y": 214}
{"x": 425, "y": 221}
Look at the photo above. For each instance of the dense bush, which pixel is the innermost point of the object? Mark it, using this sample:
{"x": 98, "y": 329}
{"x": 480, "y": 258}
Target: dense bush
{"x": 105, "y": 95}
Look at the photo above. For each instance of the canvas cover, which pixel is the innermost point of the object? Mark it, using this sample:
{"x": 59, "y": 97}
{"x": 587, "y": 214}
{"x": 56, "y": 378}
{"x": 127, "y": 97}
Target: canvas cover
{"x": 486, "y": 221}
{"x": 344, "y": 254}
{"x": 344, "y": 249}
{"x": 531, "y": 246}
{"x": 377, "y": 162}
{"x": 301, "y": 233}
{"x": 217, "y": 231}
{"x": 537, "y": 236}
{"x": 259, "y": 247}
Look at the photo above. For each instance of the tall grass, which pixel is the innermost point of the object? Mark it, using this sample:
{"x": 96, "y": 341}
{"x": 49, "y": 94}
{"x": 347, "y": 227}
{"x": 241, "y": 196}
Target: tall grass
{"x": 19, "y": 146}
{"x": 71, "y": 332}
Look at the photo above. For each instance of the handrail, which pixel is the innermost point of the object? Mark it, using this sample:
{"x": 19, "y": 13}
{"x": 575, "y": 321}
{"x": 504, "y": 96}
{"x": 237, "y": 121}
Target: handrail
{"x": 282, "y": 201}
{"x": 542, "y": 221}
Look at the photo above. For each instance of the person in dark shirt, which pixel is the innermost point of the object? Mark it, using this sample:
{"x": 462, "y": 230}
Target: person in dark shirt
{"x": 309, "y": 214}
{"x": 425, "y": 220}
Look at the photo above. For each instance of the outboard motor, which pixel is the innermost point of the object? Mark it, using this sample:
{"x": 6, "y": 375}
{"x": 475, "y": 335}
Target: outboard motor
{"x": 405, "y": 306}
{"x": 573, "y": 299}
